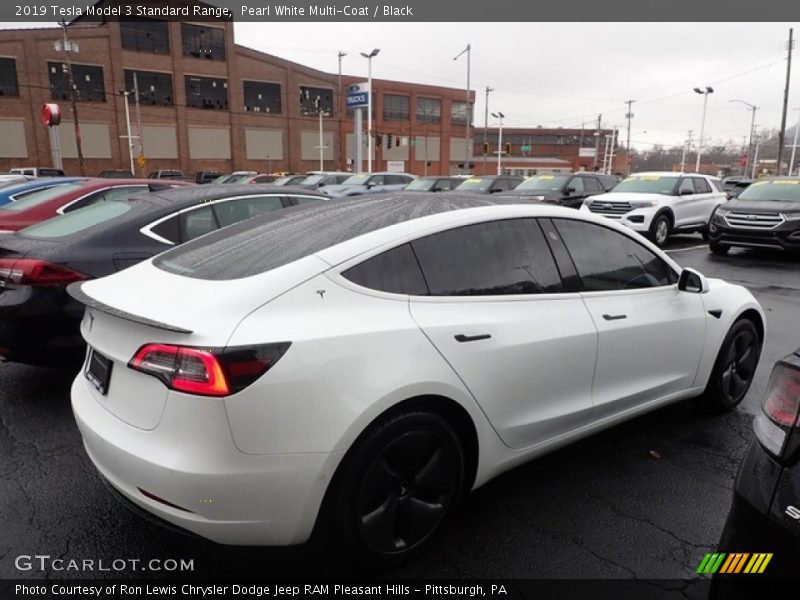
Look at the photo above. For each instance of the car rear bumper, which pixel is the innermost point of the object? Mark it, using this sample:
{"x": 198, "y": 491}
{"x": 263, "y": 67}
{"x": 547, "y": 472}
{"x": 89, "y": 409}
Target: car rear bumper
{"x": 40, "y": 326}
{"x": 189, "y": 473}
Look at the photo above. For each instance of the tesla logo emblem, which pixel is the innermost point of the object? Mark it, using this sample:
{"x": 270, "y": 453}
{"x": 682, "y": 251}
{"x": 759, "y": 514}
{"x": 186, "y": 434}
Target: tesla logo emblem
{"x": 321, "y": 294}
{"x": 91, "y": 320}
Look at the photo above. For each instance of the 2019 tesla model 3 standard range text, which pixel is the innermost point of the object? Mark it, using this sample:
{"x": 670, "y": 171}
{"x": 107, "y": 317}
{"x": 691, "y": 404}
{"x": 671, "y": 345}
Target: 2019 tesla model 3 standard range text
{"x": 358, "y": 366}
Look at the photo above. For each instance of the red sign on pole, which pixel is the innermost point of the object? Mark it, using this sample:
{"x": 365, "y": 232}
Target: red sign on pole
{"x": 51, "y": 115}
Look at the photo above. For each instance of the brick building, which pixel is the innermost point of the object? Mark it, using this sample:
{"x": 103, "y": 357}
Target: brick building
{"x": 207, "y": 103}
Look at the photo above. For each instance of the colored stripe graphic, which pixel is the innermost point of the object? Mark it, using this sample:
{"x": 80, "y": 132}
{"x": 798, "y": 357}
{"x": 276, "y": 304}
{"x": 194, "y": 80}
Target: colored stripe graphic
{"x": 734, "y": 563}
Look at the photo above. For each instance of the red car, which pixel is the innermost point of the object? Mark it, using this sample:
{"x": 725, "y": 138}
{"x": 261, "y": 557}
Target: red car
{"x": 51, "y": 202}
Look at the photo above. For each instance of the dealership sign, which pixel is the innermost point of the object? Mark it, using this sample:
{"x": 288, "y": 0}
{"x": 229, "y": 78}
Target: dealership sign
{"x": 358, "y": 95}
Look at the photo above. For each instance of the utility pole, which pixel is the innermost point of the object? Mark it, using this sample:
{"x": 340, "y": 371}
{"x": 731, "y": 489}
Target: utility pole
{"x": 342, "y": 148}
{"x": 629, "y": 116}
{"x": 486, "y": 127}
{"x": 129, "y": 137}
{"x": 138, "y": 119}
{"x": 468, "y": 51}
{"x": 71, "y": 84}
{"x": 597, "y": 140}
{"x": 755, "y": 155}
{"x": 782, "y": 133}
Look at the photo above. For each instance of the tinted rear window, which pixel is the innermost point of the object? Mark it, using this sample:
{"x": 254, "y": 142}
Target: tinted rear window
{"x": 76, "y": 221}
{"x": 37, "y": 197}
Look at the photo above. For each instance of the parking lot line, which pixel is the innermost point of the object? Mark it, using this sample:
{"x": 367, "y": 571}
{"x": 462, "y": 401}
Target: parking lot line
{"x": 689, "y": 248}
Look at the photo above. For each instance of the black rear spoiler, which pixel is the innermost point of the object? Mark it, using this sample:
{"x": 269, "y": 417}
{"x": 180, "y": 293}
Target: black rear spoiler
{"x": 74, "y": 290}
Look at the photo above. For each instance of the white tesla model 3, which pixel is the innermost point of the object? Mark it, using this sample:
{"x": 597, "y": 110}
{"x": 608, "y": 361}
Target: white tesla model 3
{"x": 356, "y": 367}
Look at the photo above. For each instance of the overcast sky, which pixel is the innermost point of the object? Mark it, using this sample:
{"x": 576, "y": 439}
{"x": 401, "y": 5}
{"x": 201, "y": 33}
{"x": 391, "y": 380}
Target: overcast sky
{"x": 564, "y": 74}
{"x": 560, "y": 75}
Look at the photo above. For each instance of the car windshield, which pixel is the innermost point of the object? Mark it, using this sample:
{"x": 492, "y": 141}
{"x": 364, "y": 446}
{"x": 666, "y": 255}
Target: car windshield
{"x": 356, "y": 179}
{"x": 237, "y": 178}
{"x": 312, "y": 180}
{"x": 544, "y": 183}
{"x": 38, "y": 197}
{"x": 780, "y": 190}
{"x": 77, "y": 220}
{"x": 647, "y": 184}
{"x": 475, "y": 183}
{"x": 421, "y": 185}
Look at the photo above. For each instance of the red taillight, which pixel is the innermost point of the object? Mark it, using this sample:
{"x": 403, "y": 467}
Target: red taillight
{"x": 207, "y": 371}
{"x": 37, "y": 273}
{"x": 783, "y": 397}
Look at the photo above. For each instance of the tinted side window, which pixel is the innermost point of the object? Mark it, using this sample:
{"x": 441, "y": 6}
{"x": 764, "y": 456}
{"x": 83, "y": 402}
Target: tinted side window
{"x": 686, "y": 184}
{"x": 494, "y": 258}
{"x": 395, "y": 271}
{"x": 443, "y": 185}
{"x": 169, "y": 230}
{"x": 591, "y": 184}
{"x": 195, "y": 223}
{"x": 701, "y": 186}
{"x": 608, "y": 260}
{"x": 577, "y": 183}
{"x": 376, "y": 180}
{"x": 233, "y": 211}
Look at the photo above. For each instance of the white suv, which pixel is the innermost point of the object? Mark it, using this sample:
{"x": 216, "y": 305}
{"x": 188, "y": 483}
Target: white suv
{"x": 660, "y": 204}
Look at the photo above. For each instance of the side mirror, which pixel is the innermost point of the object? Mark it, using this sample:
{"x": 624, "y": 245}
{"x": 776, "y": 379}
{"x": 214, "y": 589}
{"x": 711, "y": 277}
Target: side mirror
{"x": 570, "y": 189}
{"x": 686, "y": 193}
{"x": 693, "y": 282}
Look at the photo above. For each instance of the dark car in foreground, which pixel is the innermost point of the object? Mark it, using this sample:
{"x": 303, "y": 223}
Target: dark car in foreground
{"x": 765, "y": 215}
{"x": 765, "y": 515}
{"x": 564, "y": 189}
{"x": 39, "y": 321}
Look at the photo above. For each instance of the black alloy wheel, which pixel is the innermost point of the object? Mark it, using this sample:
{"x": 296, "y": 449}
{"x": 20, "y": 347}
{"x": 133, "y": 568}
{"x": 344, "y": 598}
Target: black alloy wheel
{"x": 397, "y": 487}
{"x": 735, "y": 367}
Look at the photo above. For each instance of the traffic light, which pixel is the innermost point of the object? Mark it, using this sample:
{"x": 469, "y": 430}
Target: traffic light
{"x": 508, "y": 147}
{"x": 485, "y": 148}
{"x": 388, "y": 140}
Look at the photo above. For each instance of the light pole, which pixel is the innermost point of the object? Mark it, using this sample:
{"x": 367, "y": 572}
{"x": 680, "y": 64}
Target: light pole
{"x": 369, "y": 58}
{"x": 499, "y": 116}
{"x": 705, "y": 93}
{"x": 486, "y": 127}
{"x": 125, "y": 94}
{"x": 794, "y": 144}
{"x": 468, "y": 115}
{"x": 339, "y": 107}
{"x": 754, "y": 108}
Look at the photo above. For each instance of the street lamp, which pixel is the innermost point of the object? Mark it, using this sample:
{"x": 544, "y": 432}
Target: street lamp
{"x": 486, "y": 126}
{"x": 500, "y": 116}
{"x": 468, "y": 115}
{"x": 754, "y": 108}
{"x": 369, "y": 58}
{"x": 129, "y": 137}
{"x": 705, "y": 93}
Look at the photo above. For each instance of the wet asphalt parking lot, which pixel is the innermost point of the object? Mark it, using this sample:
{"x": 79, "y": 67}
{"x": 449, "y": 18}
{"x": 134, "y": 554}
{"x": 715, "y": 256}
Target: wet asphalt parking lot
{"x": 646, "y": 499}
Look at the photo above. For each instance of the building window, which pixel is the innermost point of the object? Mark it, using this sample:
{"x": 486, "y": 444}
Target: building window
{"x": 458, "y": 113}
{"x": 206, "y": 92}
{"x": 314, "y": 100}
{"x": 8, "y": 77}
{"x": 88, "y": 80}
{"x": 260, "y": 96}
{"x": 395, "y": 108}
{"x": 145, "y": 35}
{"x": 429, "y": 110}
{"x": 200, "y": 41}
{"x": 155, "y": 89}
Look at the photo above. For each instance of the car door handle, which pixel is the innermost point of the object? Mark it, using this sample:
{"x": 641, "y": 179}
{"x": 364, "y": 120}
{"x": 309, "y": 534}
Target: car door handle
{"x": 472, "y": 338}
{"x": 614, "y": 317}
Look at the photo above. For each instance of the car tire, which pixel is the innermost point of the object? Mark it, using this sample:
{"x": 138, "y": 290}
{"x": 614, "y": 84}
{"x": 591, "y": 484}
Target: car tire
{"x": 734, "y": 368}
{"x": 660, "y": 230}
{"x": 394, "y": 489}
{"x": 718, "y": 249}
